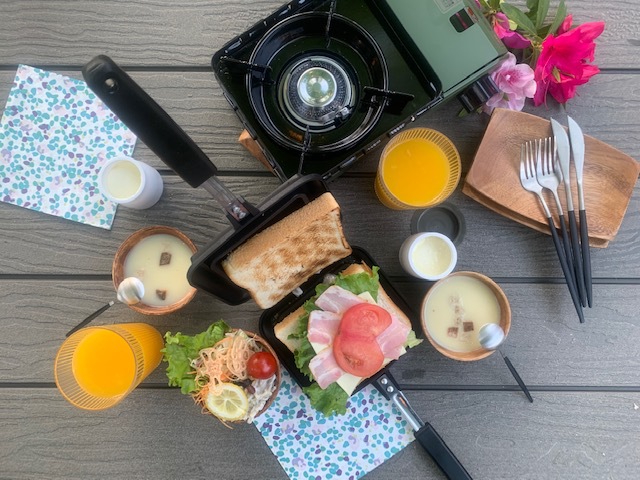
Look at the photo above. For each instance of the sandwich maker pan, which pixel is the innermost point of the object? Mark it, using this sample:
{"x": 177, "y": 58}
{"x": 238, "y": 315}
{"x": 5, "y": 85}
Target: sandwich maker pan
{"x": 178, "y": 151}
{"x": 383, "y": 381}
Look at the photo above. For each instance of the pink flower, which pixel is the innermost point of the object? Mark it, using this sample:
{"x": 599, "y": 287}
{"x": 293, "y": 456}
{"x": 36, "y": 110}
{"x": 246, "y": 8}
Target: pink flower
{"x": 516, "y": 83}
{"x": 510, "y": 38}
{"x": 564, "y": 61}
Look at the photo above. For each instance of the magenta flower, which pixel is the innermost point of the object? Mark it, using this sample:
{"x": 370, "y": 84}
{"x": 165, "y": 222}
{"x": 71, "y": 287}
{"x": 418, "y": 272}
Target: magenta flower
{"x": 510, "y": 38}
{"x": 516, "y": 83}
{"x": 564, "y": 62}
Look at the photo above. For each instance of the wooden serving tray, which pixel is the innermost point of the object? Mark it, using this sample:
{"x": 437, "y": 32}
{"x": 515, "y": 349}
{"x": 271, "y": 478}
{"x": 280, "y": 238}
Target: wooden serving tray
{"x": 494, "y": 178}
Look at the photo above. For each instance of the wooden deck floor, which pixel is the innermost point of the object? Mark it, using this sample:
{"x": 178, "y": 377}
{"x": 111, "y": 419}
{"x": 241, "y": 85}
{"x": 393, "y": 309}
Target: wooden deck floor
{"x": 585, "y": 421}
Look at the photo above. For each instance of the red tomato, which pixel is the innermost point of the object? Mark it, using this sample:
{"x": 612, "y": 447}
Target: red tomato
{"x": 261, "y": 365}
{"x": 359, "y": 356}
{"x": 365, "y": 320}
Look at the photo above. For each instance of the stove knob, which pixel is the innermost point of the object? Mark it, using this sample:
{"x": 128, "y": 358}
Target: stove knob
{"x": 476, "y": 94}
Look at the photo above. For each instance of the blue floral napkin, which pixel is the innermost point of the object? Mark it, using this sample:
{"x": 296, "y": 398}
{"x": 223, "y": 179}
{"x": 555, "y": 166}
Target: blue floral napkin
{"x": 55, "y": 134}
{"x": 308, "y": 445}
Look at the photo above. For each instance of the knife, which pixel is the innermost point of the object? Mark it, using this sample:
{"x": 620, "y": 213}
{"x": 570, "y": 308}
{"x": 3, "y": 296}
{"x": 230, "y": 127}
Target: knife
{"x": 577, "y": 149}
{"x": 564, "y": 154}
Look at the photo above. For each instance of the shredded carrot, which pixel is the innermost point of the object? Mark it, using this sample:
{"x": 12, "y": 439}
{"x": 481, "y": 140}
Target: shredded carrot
{"x": 226, "y": 361}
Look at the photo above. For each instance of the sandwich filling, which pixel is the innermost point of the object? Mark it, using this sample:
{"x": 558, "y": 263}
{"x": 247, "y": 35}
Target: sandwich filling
{"x": 347, "y": 332}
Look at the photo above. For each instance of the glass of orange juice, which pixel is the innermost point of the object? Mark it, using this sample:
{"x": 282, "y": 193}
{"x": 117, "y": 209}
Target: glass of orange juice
{"x": 418, "y": 168}
{"x": 97, "y": 367}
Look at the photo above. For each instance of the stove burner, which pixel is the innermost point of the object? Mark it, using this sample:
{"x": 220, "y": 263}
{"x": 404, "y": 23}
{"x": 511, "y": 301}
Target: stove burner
{"x": 313, "y": 100}
{"x": 316, "y": 92}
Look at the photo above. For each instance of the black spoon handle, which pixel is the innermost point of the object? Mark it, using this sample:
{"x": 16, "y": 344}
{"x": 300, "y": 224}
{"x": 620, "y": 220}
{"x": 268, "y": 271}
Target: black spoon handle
{"x": 90, "y": 318}
{"x": 515, "y": 374}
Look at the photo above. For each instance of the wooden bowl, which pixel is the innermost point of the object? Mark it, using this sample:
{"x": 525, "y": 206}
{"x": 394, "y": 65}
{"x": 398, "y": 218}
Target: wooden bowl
{"x": 505, "y": 318}
{"x": 265, "y": 345}
{"x": 117, "y": 271}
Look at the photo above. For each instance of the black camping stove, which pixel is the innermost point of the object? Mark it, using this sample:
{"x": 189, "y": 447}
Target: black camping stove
{"x": 318, "y": 84}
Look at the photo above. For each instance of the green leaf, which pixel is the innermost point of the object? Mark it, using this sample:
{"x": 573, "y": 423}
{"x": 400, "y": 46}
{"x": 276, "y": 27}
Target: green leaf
{"x": 484, "y": 5}
{"x": 412, "y": 340}
{"x": 518, "y": 16}
{"x": 332, "y": 399}
{"x": 361, "y": 282}
{"x": 541, "y": 13}
{"x": 303, "y": 355}
{"x": 180, "y": 349}
{"x": 494, "y": 4}
{"x": 561, "y": 14}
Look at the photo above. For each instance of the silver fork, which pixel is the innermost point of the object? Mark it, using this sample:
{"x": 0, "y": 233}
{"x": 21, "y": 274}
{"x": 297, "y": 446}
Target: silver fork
{"x": 529, "y": 152}
{"x": 549, "y": 176}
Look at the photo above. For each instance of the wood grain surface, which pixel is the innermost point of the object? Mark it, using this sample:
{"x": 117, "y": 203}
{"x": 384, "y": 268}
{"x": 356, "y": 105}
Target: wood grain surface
{"x": 494, "y": 178}
{"x": 585, "y": 379}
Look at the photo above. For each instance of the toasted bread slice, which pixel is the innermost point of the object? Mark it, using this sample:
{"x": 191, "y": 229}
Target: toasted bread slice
{"x": 279, "y": 259}
{"x": 286, "y": 327}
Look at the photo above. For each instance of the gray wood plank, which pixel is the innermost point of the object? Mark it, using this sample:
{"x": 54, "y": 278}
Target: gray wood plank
{"x": 492, "y": 244}
{"x": 166, "y": 33}
{"x": 158, "y": 434}
{"x": 195, "y": 102}
{"x": 547, "y": 344}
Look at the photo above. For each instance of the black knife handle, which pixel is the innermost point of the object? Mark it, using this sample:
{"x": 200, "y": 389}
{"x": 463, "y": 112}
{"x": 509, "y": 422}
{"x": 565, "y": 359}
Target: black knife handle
{"x": 148, "y": 120}
{"x": 518, "y": 378}
{"x": 566, "y": 243}
{"x": 577, "y": 257}
{"x": 435, "y": 446}
{"x": 565, "y": 269}
{"x": 586, "y": 255}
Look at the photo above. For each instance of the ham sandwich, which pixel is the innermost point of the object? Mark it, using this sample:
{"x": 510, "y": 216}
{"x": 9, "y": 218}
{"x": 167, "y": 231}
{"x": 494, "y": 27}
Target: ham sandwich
{"x": 323, "y": 326}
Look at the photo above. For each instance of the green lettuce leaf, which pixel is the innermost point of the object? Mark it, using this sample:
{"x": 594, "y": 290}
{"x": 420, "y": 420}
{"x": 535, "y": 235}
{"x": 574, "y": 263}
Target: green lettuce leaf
{"x": 361, "y": 282}
{"x": 332, "y": 399}
{"x": 180, "y": 350}
{"x": 303, "y": 355}
{"x": 412, "y": 340}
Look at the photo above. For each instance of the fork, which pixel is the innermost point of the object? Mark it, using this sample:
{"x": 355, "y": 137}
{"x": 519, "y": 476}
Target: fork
{"x": 530, "y": 183}
{"x": 549, "y": 176}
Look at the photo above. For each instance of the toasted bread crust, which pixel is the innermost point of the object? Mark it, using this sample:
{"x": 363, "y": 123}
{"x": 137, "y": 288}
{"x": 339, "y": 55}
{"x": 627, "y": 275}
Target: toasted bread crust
{"x": 280, "y": 258}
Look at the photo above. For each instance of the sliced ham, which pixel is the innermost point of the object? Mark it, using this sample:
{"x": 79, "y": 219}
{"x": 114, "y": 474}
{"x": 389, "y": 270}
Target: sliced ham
{"x": 337, "y": 300}
{"x": 325, "y": 369}
{"x": 323, "y": 327}
{"x": 393, "y": 338}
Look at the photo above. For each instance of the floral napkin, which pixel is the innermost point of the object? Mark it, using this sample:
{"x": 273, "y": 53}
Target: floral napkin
{"x": 308, "y": 445}
{"x": 54, "y": 136}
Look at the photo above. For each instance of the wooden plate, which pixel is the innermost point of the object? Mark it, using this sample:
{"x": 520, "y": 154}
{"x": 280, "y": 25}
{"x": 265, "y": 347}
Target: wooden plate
{"x": 494, "y": 179}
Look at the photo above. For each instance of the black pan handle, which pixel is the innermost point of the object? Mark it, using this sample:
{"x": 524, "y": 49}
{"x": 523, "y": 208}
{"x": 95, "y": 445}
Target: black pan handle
{"x": 424, "y": 433}
{"x": 148, "y": 120}
{"x": 435, "y": 446}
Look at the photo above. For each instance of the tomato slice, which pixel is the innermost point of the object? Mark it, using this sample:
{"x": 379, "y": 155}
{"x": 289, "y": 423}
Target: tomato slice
{"x": 357, "y": 355}
{"x": 365, "y": 320}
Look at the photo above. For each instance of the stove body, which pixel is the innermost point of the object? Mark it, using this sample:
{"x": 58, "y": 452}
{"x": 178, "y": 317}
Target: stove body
{"x": 318, "y": 84}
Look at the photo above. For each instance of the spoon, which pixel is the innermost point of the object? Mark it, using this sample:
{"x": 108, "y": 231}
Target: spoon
{"x": 130, "y": 292}
{"x": 491, "y": 336}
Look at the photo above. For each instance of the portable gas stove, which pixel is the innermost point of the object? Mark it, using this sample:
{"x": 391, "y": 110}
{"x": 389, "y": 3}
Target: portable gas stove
{"x": 319, "y": 83}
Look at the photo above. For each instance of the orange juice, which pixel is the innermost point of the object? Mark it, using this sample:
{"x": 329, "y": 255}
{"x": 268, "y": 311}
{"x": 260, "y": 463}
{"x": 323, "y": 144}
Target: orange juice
{"x": 416, "y": 171}
{"x": 104, "y": 364}
{"x": 98, "y": 366}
